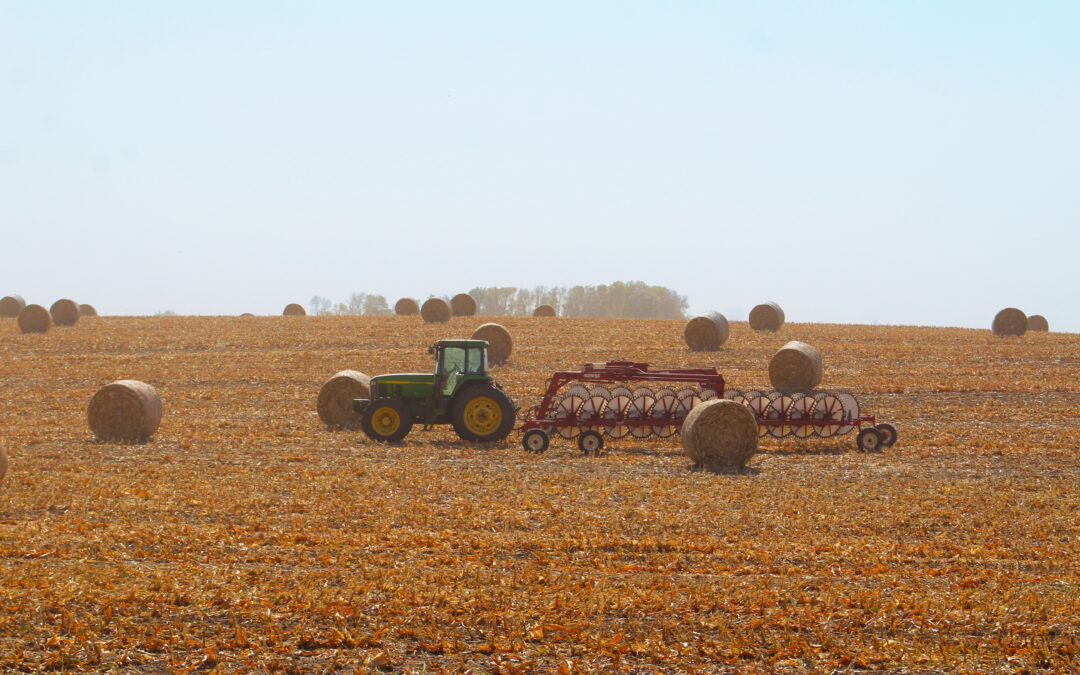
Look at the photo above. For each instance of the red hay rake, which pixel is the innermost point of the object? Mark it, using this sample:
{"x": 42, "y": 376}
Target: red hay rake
{"x": 589, "y": 409}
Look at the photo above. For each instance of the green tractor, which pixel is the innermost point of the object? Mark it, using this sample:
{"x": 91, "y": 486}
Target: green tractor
{"x": 460, "y": 392}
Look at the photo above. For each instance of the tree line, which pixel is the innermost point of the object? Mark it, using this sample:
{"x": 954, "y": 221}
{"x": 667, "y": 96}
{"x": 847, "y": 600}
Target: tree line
{"x": 622, "y": 299}
{"x": 357, "y": 304}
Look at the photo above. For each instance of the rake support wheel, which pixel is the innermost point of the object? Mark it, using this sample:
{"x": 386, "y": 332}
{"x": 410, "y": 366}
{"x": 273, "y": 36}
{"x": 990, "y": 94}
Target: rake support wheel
{"x": 590, "y": 443}
{"x": 535, "y": 441}
{"x": 869, "y": 440}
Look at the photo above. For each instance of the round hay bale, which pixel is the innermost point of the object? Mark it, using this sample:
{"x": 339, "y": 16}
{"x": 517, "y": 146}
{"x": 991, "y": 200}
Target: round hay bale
{"x": 1038, "y": 322}
{"x": 247, "y": 314}
{"x": 293, "y": 309}
{"x": 707, "y": 332}
{"x": 125, "y": 410}
{"x": 34, "y": 319}
{"x": 1010, "y": 321}
{"x": 463, "y": 304}
{"x": 500, "y": 344}
{"x": 796, "y": 367}
{"x": 335, "y": 398}
{"x": 435, "y": 310}
{"x": 406, "y": 307}
{"x": 767, "y": 316}
{"x": 87, "y": 310}
{"x": 11, "y": 305}
{"x": 720, "y": 434}
{"x": 64, "y": 312}
{"x": 545, "y": 310}
{"x": 3, "y": 464}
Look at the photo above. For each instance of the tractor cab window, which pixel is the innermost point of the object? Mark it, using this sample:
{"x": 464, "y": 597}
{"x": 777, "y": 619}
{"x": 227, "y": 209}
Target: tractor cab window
{"x": 451, "y": 367}
{"x": 476, "y": 361}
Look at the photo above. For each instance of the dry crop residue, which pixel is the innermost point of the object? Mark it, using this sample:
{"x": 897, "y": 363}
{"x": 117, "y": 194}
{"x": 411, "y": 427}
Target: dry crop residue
{"x": 245, "y": 535}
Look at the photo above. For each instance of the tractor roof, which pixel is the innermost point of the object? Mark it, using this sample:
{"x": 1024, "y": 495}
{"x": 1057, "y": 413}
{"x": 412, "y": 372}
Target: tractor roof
{"x": 461, "y": 343}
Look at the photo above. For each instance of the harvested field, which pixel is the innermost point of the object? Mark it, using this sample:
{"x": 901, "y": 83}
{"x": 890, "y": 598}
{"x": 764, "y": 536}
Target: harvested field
{"x": 246, "y": 536}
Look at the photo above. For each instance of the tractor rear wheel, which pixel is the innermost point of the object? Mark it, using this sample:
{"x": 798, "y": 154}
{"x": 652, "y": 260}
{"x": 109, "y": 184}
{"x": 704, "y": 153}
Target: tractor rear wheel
{"x": 482, "y": 414}
{"x": 386, "y": 420}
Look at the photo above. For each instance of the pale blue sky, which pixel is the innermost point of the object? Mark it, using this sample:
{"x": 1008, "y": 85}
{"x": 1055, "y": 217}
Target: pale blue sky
{"x": 907, "y": 162}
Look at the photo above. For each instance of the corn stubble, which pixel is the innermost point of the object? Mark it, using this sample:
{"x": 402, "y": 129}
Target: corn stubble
{"x": 246, "y": 536}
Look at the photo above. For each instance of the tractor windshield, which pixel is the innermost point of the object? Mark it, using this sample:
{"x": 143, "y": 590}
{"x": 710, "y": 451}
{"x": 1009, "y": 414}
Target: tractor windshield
{"x": 451, "y": 367}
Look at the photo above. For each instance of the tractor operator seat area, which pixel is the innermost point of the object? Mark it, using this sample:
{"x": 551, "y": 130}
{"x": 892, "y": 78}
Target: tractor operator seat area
{"x": 457, "y": 361}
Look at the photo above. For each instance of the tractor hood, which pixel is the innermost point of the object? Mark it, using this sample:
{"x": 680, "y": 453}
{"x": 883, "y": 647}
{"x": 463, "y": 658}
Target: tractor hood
{"x": 404, "y": 378}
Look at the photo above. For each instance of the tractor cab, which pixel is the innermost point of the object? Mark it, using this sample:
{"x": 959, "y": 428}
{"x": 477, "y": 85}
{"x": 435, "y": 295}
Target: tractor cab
{"x": 457, "y": 361}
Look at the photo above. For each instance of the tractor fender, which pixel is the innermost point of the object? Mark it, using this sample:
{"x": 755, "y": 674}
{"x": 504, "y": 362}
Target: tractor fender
{"x": 358, "y": 404}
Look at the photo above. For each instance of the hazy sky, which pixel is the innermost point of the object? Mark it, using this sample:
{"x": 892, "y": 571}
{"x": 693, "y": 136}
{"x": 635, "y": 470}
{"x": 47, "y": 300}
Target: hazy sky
{"x": 906, "y": 162}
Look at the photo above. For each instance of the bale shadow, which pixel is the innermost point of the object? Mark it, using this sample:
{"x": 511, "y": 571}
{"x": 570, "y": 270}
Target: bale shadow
{"x": 725, "y": 470}
{"x": 833, "y": 449}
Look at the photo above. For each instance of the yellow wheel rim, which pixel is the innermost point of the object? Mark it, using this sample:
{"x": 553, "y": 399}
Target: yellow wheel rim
{"x": 483, "y": 415}
{"x": 385, "y": 421}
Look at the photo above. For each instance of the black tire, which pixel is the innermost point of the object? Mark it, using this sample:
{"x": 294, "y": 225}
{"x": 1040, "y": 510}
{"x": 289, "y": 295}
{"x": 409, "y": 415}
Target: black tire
{"x": 378, "y": 417}
{"x": 888, "y": 434}
{"x": 869, "y": 440}
{"x": 535, "y": 441}
{"x": 482, "y": 414}
{"x": 590, "y": 443}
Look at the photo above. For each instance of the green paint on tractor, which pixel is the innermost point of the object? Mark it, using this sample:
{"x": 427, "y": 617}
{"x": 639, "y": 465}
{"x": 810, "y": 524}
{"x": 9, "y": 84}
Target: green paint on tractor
{"x": 460, "y": 392}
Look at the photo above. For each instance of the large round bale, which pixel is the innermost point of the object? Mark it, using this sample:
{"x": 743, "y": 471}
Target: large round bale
{"x": 796, "y": 367}
{"x": 720, "y": 435}
{"x": 406, "y": 307}
{"x": 435, "y": 310}
{"x": 293, "y": 309}
{"x": 706, "y": 332}
{"x": 767, "y": 316}
{"x": 1038, "y": 322}
{"x": 500, "y": 344}
{"x": 64, "y": 312}
{"x": 336, "y": 396}
{"x": 125, "y": 410}
{"x": 1010, "y": 321}
{"x": 463, "y": 304}
{"x": 87, "y": 310}
{"x": 11, "y": 305}
{"x": 544, "y": 310}
{"x": 34, "y": 319}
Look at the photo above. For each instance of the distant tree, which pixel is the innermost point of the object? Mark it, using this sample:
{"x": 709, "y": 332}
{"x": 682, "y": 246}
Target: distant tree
{"x": 319, "y": 305}
{"x": 376, "y": 304}
{"x": 354, "y": 306}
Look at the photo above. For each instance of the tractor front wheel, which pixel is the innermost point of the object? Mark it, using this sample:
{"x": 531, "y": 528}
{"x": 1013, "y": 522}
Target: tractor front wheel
{"x": 386, "y": 420}
{"x": 482, "y": 414}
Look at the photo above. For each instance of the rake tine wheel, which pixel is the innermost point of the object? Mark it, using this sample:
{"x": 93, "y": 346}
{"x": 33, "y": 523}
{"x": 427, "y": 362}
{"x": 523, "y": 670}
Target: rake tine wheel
{"x": 827, "y": 409}
{"x": 593, "y": 406}
{"x": 640, "y": 405}
{"x": 688, "y": 398}
{"x": 758, "y": 404}
{"x": 777, "y": 410}
{"x": 616, "y": 410}
{"x": 801, "y": 410}
{"x": 850, "y": 405}
{"x": 664, "y": 406}
{"x": 567, "y": 407}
